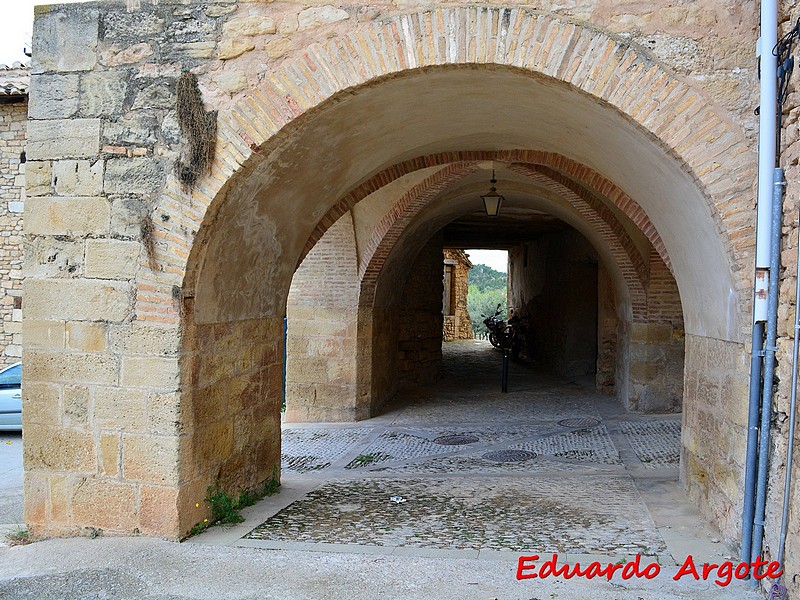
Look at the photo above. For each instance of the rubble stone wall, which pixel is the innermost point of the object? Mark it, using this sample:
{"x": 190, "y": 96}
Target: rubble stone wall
{"x": 13, "y": 117}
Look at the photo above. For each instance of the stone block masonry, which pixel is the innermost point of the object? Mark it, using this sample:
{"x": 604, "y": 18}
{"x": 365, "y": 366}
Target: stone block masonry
{"x": 103, "y": 134}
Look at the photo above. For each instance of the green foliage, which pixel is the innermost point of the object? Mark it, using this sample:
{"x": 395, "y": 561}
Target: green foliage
{"x": 487, "y": 289}
{"x": 364, "y": 459}
{"x": 19, "y": 537}
{"x": 250, "y": 497}
{"x": 480, "y": 302}
{"x": 486, "y": 278}
{"x": 196, "y": 528}
{"x": 225, "y": 507}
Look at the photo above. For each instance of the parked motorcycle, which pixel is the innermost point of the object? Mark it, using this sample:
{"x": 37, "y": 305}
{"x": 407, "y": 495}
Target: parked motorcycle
{"x": 496, "y": 327}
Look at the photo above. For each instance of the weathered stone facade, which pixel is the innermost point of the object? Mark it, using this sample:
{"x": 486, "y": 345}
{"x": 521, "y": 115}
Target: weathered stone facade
{"x": 153, "y": 322}
{"x": 13, "y": 117}
{"x": 457, "y": 323}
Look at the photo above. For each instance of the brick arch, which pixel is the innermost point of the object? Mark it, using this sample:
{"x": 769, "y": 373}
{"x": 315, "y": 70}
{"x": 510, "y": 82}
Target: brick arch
{"x": 395, "y": 223}
{"x": 600, "y": 218}
{"x": 590, "y": 61}
{"x": 391, "y": 227}
{"x": 599, "y": 210}
{"x": 554, "y": 165}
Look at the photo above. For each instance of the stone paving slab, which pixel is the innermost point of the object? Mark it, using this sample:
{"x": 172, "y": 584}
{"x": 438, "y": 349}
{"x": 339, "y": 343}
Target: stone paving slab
{"x": 148, "y": 569}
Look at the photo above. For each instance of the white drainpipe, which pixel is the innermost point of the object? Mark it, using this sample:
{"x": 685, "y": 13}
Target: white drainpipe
{"x": 754, "y": 485}
{"x": 767, "y": 136}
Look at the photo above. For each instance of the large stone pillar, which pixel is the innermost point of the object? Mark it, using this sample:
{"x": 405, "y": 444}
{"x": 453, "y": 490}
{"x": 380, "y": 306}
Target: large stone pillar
{"x": 322, "y": 311}
{"x": 101, "y": 410}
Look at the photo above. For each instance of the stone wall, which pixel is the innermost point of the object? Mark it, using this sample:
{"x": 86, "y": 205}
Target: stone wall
{"x": 104, "y": 418}
{"x": 13, "y": 116}
{"x": 230, "y": 423}
{"x": 419, "y": 331}
{"x": 322, "y": 311}
{"x": 607, "y": 332}
{"x": 557, "y": 291}
{"x": 657, "y": 346}
{"x": 790, "y": 161}
{"x": 576, "y": 328}
{"x": 457, "y": 322}
{"x": 714, "y": 429}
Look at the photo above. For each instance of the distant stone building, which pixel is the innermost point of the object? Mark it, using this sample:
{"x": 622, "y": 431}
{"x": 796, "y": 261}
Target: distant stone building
{"x": 13, "y": 115}
{"x": 457, "y": 324}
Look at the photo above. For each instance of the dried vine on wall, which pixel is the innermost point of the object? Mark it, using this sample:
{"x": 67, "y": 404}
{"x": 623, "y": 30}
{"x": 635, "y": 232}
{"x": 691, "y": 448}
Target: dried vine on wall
{"x": 198, "y": 131}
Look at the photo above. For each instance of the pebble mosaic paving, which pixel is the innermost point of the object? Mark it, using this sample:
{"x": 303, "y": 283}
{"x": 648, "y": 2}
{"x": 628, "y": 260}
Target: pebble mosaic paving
{"x": 592, "y": 444}
{"x": 656, "y": 443}
{"x": 572, "y": 494}
{"x": 547, "y": 515}
{"x": 475, "y": 463}
{"x": 305, "y": 450}
{"x": 394, "y": 445}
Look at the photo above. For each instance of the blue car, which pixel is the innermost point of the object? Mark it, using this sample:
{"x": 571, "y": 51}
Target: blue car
{"x": 11, "y": 398}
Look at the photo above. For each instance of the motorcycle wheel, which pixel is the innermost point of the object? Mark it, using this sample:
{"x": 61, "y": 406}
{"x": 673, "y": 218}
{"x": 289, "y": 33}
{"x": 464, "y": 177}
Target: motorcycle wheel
{"x": 493, "y": 339}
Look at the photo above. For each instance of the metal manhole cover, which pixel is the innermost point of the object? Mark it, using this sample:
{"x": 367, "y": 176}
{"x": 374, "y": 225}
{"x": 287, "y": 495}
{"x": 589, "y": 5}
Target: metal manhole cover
{"x": 579, "y": 422}
{"x": 455, "y": 440}
{"x": 509, "y": 455}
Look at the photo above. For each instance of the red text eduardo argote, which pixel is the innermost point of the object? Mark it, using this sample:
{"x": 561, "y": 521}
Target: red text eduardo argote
{"x": 722, "y": 574}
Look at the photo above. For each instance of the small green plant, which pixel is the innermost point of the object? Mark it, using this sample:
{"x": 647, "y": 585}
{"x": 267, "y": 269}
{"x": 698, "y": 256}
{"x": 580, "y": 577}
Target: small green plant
{"x": 364, "y": 459}
{"x": 197, "y": 528}
{"x": 225, "y": 507}
{"x": 20, "y": 537}
{"x": 250, "y": 497}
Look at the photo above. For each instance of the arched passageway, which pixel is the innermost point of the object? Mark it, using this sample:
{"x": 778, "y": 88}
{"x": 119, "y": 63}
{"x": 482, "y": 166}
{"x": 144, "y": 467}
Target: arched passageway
{"x": 382, "y": 136}
{"x": 645, "y": 321}
{"x": 407, "y": 176}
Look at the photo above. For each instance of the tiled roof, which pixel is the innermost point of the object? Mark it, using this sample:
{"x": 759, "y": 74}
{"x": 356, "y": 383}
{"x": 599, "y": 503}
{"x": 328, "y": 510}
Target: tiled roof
{"x": 14, "y": 79}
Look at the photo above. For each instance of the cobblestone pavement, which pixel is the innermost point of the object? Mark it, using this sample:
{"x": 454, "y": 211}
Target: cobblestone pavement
{"x": 551, "y": 466}
{"x": 523, "y": 513}
{"x": 656, "y": 443}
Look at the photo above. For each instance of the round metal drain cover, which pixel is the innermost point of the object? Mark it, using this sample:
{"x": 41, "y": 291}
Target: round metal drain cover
{"x": 579, "y": 422}
{"x": 509, "y": 455}
{"x": 455, "y": 440}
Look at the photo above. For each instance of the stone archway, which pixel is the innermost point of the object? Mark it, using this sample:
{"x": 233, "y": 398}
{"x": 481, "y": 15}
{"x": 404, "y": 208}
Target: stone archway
{"x": 208, "y": 296}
